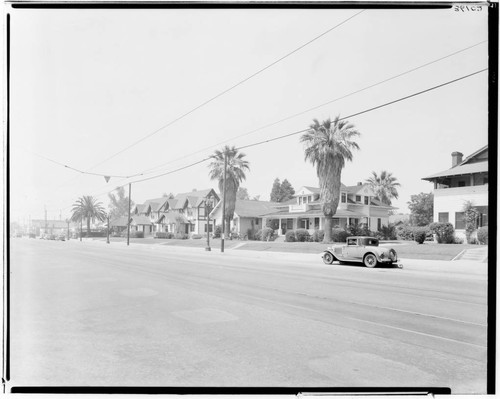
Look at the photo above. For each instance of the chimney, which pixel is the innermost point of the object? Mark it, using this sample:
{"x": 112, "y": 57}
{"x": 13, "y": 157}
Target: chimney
{"x": 359, "y": 183}
{"x": 456, "y": 158}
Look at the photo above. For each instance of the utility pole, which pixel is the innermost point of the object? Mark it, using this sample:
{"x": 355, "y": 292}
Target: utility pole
{"x": 129, "y": 204}
{"x": 81, "y": 227}
{"x": 224, "y": 203}
{"x": 108, "y": 229}
{"x": 45, "y": 229}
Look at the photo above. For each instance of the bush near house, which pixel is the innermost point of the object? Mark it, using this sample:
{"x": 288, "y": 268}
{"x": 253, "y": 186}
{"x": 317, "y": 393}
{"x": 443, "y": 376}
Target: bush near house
{"x": 339, "y": 235}
{"x": 136, "y": 234}
{"x": 181, "y": 236}
{"x": 359, "y": 230}
{"x": 387, "y": 232}
{"x": 290, "y": 236}
{"x": 265, "y": 234}
{"x": 196, "y": 236}
{"x": 420, "y": 234}
{"x": 445, "y": 233}
{"x": 164, "y": 234}
{"x": 217, "y": 231}
{"x": 318, "y": 236}
{"x": 482, "y": 235}
{"x": 302, "y": 235}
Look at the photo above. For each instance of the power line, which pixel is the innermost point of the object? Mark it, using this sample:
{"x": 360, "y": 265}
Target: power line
{"x": 147, "y": 171}
{"x": 228, "y": 89}
{"x": 305, "y": 130}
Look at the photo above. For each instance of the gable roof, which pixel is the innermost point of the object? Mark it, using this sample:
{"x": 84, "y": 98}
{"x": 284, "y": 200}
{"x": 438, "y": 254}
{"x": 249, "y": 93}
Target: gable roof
{"x": 141, "y": 220}
{"x": 471, "y": 164}
{"x": 250, "y": 208}
{"x": 119, "y": 222}
{"x": 360, "y": 189}
{"x": 195, "y": 198}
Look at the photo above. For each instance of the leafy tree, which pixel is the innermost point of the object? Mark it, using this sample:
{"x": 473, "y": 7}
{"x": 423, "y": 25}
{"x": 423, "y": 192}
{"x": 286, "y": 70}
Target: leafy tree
{"x": 281, "y": 191}
{"x": 236, "y": 168}
{"x": 422, "y": 209}
{"x": 242, "y": 194}
{"x": 276, "y": 191}
{"x": 471, "y": 215}
{"x": 287, "y": 191}
{"x": 87, "y": 207}
{"x": 328, "y": 146}
{"x": 118, "y": 205}
{"x": 384, "y": 186}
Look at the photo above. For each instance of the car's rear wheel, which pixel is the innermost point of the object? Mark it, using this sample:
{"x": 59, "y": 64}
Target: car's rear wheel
{"x": 328, "y": 258}
{"x": 370, "y": 260}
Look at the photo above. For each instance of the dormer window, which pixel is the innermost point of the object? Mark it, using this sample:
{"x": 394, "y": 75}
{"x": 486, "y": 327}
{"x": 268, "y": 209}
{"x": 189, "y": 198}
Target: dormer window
{"x": 343, "y": 198}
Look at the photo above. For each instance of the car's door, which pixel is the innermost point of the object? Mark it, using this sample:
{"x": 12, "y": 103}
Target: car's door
{"x": 352, "y": 249}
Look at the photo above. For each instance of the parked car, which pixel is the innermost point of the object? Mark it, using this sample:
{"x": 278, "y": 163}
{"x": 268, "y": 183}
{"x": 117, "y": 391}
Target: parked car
{"x": 364, "y": 250}
{"x": 61, "y": 237}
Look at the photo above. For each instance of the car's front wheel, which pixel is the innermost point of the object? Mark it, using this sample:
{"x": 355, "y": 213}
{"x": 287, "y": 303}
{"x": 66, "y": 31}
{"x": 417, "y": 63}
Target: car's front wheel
{"x": 328, "y": 258}
{"x": 370, "y": 260}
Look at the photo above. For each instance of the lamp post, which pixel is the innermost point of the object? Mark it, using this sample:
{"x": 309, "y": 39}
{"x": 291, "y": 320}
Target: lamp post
{"x": 208, "y": 208}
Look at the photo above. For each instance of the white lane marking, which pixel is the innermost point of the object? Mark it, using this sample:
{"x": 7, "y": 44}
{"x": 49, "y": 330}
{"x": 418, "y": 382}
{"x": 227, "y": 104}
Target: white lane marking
{"x": 417, "y": 332}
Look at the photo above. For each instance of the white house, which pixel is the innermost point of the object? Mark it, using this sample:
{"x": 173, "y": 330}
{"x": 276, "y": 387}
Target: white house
{"x": 466, "y": 180}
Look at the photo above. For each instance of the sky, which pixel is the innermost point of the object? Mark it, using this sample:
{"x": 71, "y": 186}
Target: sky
{"x": 110, "y": 92}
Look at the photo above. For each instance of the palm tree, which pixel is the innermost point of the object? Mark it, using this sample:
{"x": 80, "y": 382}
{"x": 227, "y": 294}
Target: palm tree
{"x": 384, "y": 186}
{"x": 235, "y": 174}
{"x": 328, "y": 146}
{"x": 87, "y": 207}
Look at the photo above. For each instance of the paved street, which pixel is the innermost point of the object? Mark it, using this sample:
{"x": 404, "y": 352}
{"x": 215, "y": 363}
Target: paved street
{"x": 88, "y": 313}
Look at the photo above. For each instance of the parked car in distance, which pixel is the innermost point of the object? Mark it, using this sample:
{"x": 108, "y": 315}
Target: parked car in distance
{"x": 61, "y": 237}
{"x": 362, "y": 249}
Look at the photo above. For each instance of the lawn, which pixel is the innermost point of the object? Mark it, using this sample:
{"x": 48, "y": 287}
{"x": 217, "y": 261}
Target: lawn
{"x": 405, "y": 249}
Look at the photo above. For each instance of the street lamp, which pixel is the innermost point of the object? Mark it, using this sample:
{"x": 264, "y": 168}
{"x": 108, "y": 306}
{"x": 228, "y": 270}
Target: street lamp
{"x": 209, "y": 204}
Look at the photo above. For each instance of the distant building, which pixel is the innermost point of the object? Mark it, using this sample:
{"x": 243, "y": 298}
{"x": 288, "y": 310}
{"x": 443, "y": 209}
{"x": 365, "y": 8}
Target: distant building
{"x": 466, "y": 180}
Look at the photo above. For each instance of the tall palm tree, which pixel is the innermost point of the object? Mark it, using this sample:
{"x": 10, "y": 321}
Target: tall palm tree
{"x": 87, "y": 207}
{"x": 328, "y": 145}
{"x": 384, "y": 186}
{"x": 236, "y": 168}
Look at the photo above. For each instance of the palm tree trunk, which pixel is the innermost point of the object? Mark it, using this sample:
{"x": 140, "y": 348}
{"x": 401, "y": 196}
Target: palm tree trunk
{"x": 88, "y": 227}
{"x": 328, "y": 229}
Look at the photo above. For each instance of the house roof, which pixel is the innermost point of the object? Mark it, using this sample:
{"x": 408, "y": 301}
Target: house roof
{"x": 195, "y": 198}
{"x": 119, "y": 222}
{"x": 314, "y": 213}
{"x": 141, "y": 208}
{"x": 249, "y": 208}
{"x": 474, "y": 154}
{"x": 173, "y": 217}
{"x": 462, "y": 169}
{"x": 360, "y": 188}
{"x": 141, "y": 220}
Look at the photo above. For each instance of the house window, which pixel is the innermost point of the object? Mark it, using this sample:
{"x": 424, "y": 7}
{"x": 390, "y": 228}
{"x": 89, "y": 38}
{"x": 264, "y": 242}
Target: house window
{"x": 366, "y": 200}
{"x": 343, "y": 198}
{"x": 210, "y": 228}
{"x": 379, "y": 224}
{"x": 310, "y": 198}
{"x": 459, "y": 221}
{"x": 191, "y": 228}
{"x": 461, "y": 183}
{"x": 256, "y": 222}
{"x": 300, "y": 200}
{"x": 443, "y": 217}
{"x": 316, "y": 223}
{"x": 358, "y": 198}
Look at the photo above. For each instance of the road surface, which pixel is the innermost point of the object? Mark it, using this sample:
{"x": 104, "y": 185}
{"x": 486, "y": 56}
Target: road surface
{"x": 88, "y": 313}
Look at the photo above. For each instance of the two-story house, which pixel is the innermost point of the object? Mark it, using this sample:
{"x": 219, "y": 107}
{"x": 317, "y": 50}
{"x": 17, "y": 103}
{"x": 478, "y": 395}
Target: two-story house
{"x": 184, "y": 213}
{"x": 357, "y": 205}
{"x": 466, "y": 180}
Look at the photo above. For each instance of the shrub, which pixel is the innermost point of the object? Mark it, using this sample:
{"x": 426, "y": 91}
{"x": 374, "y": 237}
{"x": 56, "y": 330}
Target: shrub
{"x": 459, "y": 240}
{"x": 339, "y": 235}
{"x": 181, "y": 236}
{"x": 251, "y": 234}
{"x": 161, "y": 234}
{"x": 318, "y": 235}
{"x": 290, "y": 236}
{"x": 445, "y": 233}
{"x": 387, "y": 232}
{"x": 419, "y": 235}
{"x": 267, "y": 234}
{"x": 482, "y": 235}
{"x": 405, "y": 232}
{"x": 196, "y": 236}
{"x": 217, "y": 231}
{"x": 358, "y": 230}
{"x": 302, "y": 235}
{"x": 136, "y": 234}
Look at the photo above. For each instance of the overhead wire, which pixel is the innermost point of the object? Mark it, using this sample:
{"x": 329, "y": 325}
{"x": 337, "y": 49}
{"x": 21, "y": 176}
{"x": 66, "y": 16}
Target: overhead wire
{"x": 151, "y": 170}
{"x": 228, "y": 89}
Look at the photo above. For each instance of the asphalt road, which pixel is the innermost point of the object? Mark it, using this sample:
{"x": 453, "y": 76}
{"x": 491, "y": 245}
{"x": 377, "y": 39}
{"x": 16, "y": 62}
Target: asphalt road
{"x": 88, "y": 313}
